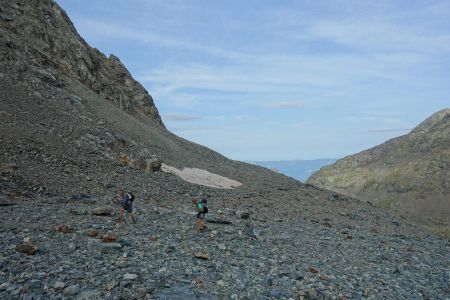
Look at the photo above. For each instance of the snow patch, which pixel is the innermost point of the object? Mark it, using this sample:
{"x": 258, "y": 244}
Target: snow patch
{"x": 202, "y": 177}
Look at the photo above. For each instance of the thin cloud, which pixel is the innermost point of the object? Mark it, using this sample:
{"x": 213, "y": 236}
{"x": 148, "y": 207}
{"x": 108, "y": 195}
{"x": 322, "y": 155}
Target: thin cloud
{"x": 244, "y": 119}
{"x": 388, "y": 129}
{"x": 283, "y": 104}
{"x": 205, "y": 128}
{"x": 180, "y": 117}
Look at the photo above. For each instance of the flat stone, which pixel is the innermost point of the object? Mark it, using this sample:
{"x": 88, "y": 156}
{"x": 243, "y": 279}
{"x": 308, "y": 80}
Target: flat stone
{"x": 15, "y": 292}
{"x": 105, "y": 247}
{"x": 110, "y": 237}
{"x": 129, "y": 276}
{"x": 103, "y": 211}
{"x": 63, "y": 228}
{"x": 109, "y": 286}
{"x": 4, "y": 286}
{"x": 93, "y": 233}
{"x": 11, "y": 288}
{"x": 59, "y": 285}
{"x": 176, "y": 293}
{"x": 6, "y": 200}
{"x": 88, "y": 294}
{"x": 72, "y": 290}
{"x": 26, "y": 248}
{"x": 201, "y": 255}
{"x": 35, "y": 284}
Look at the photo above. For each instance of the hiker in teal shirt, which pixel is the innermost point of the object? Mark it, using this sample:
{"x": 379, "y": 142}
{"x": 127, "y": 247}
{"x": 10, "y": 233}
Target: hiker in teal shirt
{"x": 202, "y": 209}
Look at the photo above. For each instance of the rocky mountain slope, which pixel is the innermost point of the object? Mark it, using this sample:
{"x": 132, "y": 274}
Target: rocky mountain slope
{"x": 410, "y": 175}
{"x": 75, "y": 127}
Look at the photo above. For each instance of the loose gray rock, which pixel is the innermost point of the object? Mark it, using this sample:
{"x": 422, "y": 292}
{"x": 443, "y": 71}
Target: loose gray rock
{"x": 71, "y": 290}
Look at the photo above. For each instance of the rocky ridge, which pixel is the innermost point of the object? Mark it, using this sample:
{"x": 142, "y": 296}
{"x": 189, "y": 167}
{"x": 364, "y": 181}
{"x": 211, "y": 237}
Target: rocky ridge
{"x": 40, "y": 43}
{"x": 409, "y": 175}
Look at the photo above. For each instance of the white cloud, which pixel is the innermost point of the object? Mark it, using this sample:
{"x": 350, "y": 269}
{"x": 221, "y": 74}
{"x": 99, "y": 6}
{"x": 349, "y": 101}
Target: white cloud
{"x": 283, "y": 104}
{"x": 374, "y": 130}
{"x": 179, "y": 117}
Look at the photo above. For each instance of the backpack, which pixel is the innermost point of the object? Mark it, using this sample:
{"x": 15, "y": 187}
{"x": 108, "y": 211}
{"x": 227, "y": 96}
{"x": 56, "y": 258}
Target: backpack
{"x": 129, "y": 197}
{"x": 200, "y": 207}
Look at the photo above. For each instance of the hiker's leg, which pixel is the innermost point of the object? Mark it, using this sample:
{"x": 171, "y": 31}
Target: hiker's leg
{"x": 133, "y": 216}
{"x": 119, "y": 220}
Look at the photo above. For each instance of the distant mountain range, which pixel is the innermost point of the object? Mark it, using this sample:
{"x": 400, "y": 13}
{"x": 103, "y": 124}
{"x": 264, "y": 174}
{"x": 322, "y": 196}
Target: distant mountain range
{"x": 298, "y": 169}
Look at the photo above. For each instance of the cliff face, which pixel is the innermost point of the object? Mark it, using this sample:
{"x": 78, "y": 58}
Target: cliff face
{"x": 38, "y": 39}
{"x": 409, "y": 175}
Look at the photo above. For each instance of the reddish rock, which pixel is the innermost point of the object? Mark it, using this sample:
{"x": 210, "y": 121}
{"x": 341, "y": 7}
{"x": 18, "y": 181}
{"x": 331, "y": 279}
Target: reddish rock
{"x": 153, "y": 238}
{"x": 313, "y": 270}
{"x": 63, "y": 228}
{"x": 26, "y": 248}
{"x": 110, "y": 237}
{"x": 93, "y": 233}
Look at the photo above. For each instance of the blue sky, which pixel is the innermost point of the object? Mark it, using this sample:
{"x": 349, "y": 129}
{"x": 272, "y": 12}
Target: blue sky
{"x": 275, "y": 80}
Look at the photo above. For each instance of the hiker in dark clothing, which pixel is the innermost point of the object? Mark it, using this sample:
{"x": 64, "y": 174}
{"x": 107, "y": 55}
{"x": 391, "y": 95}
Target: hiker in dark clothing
{"x": 126, "y": 204}
{"x": 202, "y": 210}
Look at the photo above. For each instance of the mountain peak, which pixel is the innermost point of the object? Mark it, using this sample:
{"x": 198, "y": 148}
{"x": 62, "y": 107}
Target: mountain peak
{"x": 441, "y": 117}
{"x": 41, "y": 36}
{"x": 407, "y": 174}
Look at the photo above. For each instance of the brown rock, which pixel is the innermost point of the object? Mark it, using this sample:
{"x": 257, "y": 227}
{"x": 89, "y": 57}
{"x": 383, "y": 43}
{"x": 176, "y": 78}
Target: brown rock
{"x": 137, "y": 164}
{"x": 201, "y": 226}
{"x": 103, "y": 211}
{"x": 153, "y": 238}
{"x": 110, "y": 237}
{"x": 93, "y": 233}
{"x": 375, "y": 230}
{"x": 63, "y": 228}
{"x": 201, "y": 255}
{"x": 26, "y": 248}
{"x": 313, "y": 270}
{"x": 324, "y": 277}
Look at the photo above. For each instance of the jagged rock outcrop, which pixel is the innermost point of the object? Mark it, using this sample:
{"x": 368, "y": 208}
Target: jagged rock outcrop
{"x": 409, "y": 175}
{"x": 38, "y": 42}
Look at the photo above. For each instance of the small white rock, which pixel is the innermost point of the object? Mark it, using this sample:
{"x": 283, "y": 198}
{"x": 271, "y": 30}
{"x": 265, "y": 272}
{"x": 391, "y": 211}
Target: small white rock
{"x": 59, "y": 285}
{"x": 4, "y": 286}
{"x": 221, "y": 283}
{"x": 129, "y": 276}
